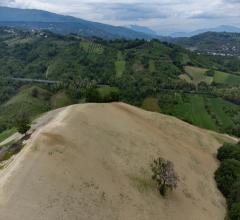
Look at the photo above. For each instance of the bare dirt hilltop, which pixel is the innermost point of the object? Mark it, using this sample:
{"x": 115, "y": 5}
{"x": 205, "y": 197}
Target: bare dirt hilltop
{"x": 92, "y": 162}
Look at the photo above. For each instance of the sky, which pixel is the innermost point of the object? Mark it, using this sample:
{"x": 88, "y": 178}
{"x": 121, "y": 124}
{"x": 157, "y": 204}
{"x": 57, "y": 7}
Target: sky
{"x": 160, "y": 15}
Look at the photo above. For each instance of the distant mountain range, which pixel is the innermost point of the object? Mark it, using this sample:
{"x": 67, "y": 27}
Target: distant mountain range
{"x": 143, "y": 29}
{"x": 38, "y": 19}
{"x": 222, "y": 28}
{"x": 212, "y": 43}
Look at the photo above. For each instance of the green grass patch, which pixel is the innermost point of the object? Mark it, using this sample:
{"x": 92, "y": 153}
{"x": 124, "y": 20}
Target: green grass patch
{"x": 6, "y": 134}
{"x": 220, "y": 77}
{"x": 226, "y": 78}
{"x": 120, "y": 65}
{"x": 197, "y": 75}
{"x": 151, "y": 104}
{"x": 25, "y": 101}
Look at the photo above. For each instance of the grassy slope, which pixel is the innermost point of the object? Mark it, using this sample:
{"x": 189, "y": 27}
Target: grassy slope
{"x": 25, "y": 102}
{"x": 225, "y": 78}
{"x": 4, "y": 135}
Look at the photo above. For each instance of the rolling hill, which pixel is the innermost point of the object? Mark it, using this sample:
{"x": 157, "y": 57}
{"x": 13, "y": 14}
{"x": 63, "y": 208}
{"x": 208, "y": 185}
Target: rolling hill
{"x": 221, "y": 28}
{"x": 93, "y": 161}
{"x": 212, "y": 43}
{"x": 43, "y": 20}
{"x": 158, "y": 76}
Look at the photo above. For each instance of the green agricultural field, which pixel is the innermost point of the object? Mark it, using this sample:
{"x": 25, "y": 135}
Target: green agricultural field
{"x": 197, "y": 75}
{"x": 151, "y": 104}
{"x": 218, "y": 107}
{"x": 194, "y": 111}
{"x": 225, "y": 78}
{"x": 120, "y": 64}
{"x": 91, "y": 48}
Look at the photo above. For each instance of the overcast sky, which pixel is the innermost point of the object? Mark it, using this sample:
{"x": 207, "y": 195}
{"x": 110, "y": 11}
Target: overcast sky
{"x": 165, "y": 15}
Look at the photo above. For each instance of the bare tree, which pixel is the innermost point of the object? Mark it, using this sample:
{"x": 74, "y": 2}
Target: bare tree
{"x": 164, "y": 175}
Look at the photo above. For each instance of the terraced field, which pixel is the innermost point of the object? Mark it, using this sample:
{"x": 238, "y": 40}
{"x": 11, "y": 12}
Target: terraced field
{"x": 196, "y": 75}
{"x": 91, "y": 48}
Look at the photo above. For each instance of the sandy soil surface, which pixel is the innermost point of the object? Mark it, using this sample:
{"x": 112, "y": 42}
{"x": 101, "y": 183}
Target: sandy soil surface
{"x": 92, "y": 162}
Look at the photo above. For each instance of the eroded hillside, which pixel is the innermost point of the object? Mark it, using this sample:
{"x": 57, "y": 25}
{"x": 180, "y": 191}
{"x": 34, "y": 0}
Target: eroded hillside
{"x": 92, "y": 161}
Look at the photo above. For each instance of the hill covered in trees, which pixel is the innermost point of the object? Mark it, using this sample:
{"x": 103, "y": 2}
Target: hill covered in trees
{"x": 154, "y": 75}
{"x": 224, "y": 43}
{"x": 29, "y": 19}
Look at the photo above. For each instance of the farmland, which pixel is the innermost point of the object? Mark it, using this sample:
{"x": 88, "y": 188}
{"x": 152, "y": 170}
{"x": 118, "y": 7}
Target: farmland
{"x": 196, "y": 75}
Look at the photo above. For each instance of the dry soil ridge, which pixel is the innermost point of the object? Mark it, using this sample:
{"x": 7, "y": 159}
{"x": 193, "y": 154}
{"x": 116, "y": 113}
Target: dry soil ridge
{"x": 91, "y": 162}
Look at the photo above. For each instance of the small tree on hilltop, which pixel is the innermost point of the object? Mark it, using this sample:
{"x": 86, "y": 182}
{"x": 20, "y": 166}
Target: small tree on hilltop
{"x": 22, "y": 123}
{"x": 164, "y": 175}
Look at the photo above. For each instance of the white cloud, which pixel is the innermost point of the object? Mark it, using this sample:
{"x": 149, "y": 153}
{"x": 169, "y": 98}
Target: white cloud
{"x": 159, "y": 14}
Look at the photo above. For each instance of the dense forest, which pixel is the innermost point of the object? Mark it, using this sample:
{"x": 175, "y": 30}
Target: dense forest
{"x": 227, "y": 177}
{"x": 158, "y": 76}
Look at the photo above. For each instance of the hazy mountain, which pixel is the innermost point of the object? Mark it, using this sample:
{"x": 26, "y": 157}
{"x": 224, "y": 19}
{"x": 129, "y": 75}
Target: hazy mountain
{"x": 38, "y": 19}
{"x": 142, "y": 29}
{"x": 222, "y": 28}
{"x": 212, "y": 42}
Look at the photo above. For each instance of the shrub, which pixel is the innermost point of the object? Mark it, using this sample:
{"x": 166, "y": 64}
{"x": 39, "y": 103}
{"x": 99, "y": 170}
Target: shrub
{"x": 234, "y": 212}
{"x": 113, "y": 96}
{"x": 210, "y": 72}
{"x": 35, "y": 92}
{"x": 22, "y": 123}
{"x": 227, "y": 175}
{"x": 229, "y": 151}
{"x": 164, "y": 175}
{"x": 92, "y": 95}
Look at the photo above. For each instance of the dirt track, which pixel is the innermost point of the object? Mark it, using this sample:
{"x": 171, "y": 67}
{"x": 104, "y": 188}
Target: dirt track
{"x": 91, "y": 162}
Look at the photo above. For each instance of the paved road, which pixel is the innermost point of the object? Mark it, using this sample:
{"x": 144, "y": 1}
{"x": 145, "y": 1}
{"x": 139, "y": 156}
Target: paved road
{"x": 34, "y": 80}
